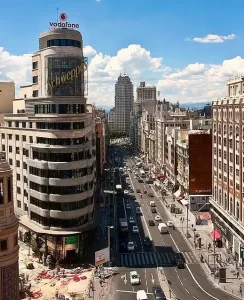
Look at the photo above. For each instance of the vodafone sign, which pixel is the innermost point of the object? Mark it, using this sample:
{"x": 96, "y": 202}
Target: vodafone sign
{"x": 63, "y": 22}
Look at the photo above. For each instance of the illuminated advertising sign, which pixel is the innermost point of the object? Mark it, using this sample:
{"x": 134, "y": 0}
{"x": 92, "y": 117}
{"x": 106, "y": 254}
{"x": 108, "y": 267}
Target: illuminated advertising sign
{"x": 63, "y": 22}
{"x": 65, "y": 76}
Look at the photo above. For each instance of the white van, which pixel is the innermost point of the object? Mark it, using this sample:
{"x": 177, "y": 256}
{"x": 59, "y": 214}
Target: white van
{"x": 152, "y": 204}
{"x": 141, "y": 295}
{"x": 163, "y": 228}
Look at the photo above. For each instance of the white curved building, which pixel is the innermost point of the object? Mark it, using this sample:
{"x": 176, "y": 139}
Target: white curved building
{"x": 9, "y": 248}
{"x": 50, "y": 144}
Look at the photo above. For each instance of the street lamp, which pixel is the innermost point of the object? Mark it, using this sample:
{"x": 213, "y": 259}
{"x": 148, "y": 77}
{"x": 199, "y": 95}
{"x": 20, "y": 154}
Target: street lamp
{"x": 109, "y": 261}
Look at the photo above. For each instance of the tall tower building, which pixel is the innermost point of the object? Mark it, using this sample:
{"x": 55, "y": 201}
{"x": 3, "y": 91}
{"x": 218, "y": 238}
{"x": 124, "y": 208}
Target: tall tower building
{"x": 9, "y": 249}
{"x": 124, "y": 99}
{"x": 50, "y": 144}
{"x": 147, "y": 97}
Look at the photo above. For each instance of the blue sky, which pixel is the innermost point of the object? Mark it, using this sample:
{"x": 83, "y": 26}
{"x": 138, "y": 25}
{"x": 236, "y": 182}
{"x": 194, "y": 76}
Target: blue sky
{"x": 159, "y": 26}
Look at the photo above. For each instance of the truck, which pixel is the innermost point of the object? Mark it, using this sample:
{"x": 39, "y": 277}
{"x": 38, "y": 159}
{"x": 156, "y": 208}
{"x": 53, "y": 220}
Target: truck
{"x": 163, "y": 228}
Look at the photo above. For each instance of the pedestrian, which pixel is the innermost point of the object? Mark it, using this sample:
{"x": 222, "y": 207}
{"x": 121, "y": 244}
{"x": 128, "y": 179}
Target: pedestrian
{"x": 101, "y": 282}
{"x": 237, "y": 274}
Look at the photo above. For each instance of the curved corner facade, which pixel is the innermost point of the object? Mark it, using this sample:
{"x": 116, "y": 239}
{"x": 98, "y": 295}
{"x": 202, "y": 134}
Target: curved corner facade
{"x": 50, "y": 144}
{"x": 9, "y": 249}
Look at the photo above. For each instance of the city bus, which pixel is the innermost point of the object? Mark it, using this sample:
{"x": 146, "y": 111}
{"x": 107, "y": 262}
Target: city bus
{"x": 123, "y": 225}
{"x": 142, "y": 173}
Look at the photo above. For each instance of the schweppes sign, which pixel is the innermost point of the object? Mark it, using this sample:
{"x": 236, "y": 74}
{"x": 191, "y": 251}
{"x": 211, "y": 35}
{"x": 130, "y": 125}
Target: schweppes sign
{"x": 58, "y": 80}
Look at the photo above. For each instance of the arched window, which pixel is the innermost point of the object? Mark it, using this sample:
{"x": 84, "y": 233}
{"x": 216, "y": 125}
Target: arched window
{"x": 225, "y": 201}
{"x": 219, "y": 128}
{"x": 230, "y": 130}
{"x": 220, "y": 197}
{"x": 237, "y": 211}
{"x": 231, "y": 206}
{"x": 237, "y": 131}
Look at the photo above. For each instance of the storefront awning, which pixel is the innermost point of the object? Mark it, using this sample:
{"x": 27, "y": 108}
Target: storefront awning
{"x": 215, "y": 234}
{"x": 177, "y": 193}
{"x": 183, "y": 201}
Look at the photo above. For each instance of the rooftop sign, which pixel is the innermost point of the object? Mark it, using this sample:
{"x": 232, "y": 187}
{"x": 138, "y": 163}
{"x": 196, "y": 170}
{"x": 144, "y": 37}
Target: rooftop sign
{"x": 63, "y": 22}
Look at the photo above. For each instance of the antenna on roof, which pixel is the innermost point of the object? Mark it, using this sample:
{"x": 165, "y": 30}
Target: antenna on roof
{"x": 57, "y": 12}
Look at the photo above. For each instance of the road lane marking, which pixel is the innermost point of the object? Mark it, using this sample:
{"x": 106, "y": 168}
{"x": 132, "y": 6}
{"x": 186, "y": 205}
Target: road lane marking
{"x": 138, "y": 258}
{"x": 187, "y": 290}
{"x": 123, "y": 291}
{"x": 146, "y": 279}
{"x": 207, "y": 293}
{"x": 179, "y": 278}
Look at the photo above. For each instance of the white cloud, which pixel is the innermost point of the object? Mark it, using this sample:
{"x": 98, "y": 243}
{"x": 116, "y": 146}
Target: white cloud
{"x": 194, "y": 82}
{"x": 212, "y": 38}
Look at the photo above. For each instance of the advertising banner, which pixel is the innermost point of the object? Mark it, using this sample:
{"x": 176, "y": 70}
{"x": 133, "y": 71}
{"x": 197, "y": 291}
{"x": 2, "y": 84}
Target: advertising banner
{"x": 101, "y": 256}
{"x": 65, "y": 76}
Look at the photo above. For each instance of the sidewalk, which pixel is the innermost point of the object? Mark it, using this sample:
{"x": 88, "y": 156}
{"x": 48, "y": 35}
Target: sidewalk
{"x": 232, "y": 285}
{"x": 99, "y": 292}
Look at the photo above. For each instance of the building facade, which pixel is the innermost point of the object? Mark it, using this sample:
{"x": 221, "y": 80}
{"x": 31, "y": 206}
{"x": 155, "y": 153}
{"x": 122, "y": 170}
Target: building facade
{"x": 7, "y": 95}
{"x": 50, "y": 143}
{"x": 9, "y": 248}
{"x": 228, "y": 178}
{"x": 124, "y": 98}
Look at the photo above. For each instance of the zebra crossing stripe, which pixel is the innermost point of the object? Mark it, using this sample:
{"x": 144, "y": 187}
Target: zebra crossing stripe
{"x": 159, "y": 258}
{"x": 155, "y": 257}
{"x": 138, "y": 259}
{"x": 122, "y": 260}
{"x": 134, "y": 259}
{"x": 142, "y": 257}
{"x": 151, "y": 258}
{"x": 147, "y": 260}
{"x": 130, "y": 259}
{"x": 171, "y": 257}
{"x": 126, "y": 261}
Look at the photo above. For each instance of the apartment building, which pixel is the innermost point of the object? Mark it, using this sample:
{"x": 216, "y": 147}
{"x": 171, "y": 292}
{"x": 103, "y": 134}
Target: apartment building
{"x": 9, "y": 248}
{"x": 172, "y": 116}
{"x": 50, "y": 143}
{"x": 228, "y": 173}
{"x": 7, "y": 95}
{"x": 194, "y": 167}
{"x": 148, "y": 135}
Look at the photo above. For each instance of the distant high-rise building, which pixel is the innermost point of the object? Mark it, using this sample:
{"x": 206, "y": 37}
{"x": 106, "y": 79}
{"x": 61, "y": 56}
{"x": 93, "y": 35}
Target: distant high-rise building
{"x": 147, "y": 97}
{"x": 9, "y": 248}
{"x": 124, "y": 99}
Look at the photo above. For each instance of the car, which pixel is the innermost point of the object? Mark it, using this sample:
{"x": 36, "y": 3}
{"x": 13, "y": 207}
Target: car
{"x": 147, "y": 242}
{"x": 138, "y": 190}
{"x": 170, "y": 224}
{"x": 154, "y": 210}
{"x": 151, "y": 223}
{"x": 158, "y": 218}
{"x": 140, "y": 180}
{"x": 134, "y": 278}
{"x": 145, "y": 191}
{"x": 158, "y": 292}
{"x": 132, "y": 220}
{"x": 138, "y": 211}
{"x": 135, "y": 229}
{"x": 179, "y": 260}
{"x": 128, "y": 206}
{"x": 150, "y": 194}
{"x": 130, "y": 246}
{"x": 126, "y": 192}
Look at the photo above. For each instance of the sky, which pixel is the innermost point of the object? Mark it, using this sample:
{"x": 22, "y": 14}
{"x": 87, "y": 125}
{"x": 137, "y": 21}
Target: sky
{"x": 186, "y": 48}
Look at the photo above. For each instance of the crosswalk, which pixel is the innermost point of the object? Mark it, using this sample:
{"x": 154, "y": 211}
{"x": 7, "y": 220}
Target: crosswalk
{"x": 153, "y": 259}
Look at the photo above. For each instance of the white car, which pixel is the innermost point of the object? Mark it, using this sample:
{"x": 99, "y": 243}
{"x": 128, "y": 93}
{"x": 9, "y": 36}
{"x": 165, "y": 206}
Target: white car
{"x": 158, "y": 218}
{"x": 134, "y": 278}
{"x": 126, "y": 192}
{"x": 132, "y": 220}
{"x": 131, "y": 246}
{"x": 135, "y": 229}
{"x": 128, "y": 206}
{"x": 170, "y": 224}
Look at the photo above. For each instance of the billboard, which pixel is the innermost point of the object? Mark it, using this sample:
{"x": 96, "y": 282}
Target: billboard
{"x": 65, "y": 76}
{"x": 200, "y": 164}
{"x": 101, "y": 256}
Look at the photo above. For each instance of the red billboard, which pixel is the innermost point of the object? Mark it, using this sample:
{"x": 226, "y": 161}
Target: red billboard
{"x": 200, "y": 164}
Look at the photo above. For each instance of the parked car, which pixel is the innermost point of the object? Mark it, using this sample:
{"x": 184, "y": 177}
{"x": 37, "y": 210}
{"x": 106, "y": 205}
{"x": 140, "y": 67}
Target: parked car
{"x": 131, "y": 246}
{"x": 154, "y": 210}
{"x": 138, "y": 190}
{"x": 147, "y": 242}
{"x": 170, "y": 224}
{"x": 132, "y": 220}
{"x": 135, "y": 229}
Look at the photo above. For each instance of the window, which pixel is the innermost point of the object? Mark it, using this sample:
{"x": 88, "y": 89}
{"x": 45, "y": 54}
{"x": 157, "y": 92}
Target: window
{"x": 17, "y": 137}
{"x": 35, "y": 65}
{"x": 10, "y": 136}
{"x": 35, "y": 79}
{"x": 18, "y": 190}
{"x": 10, "y": 161}
{"x": 23, "y": 124}
{"x": 3, "y": 245}
{"x": 35, "y": 93}
{"x": 31, "y": 139}
{"x": 63, "y": 42}
{"x": 18, "y": 163}
{"x": 1, "y": 190}
{"x": 17, "y": 124}
{"x": 18, "y": 176}
{"x": 10, "y": 189}
{"x": 24, "y": 138}
{"x": 3, "y": 148}
{"x": 3, "y": 136}
{"x": 17, "y": 150}
{"x": 10, "y": 149}
{"x": 19, "y": 204}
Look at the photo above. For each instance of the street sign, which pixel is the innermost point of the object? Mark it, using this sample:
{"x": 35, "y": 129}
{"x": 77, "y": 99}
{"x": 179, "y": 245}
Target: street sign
{"x": 101, "y": 256}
